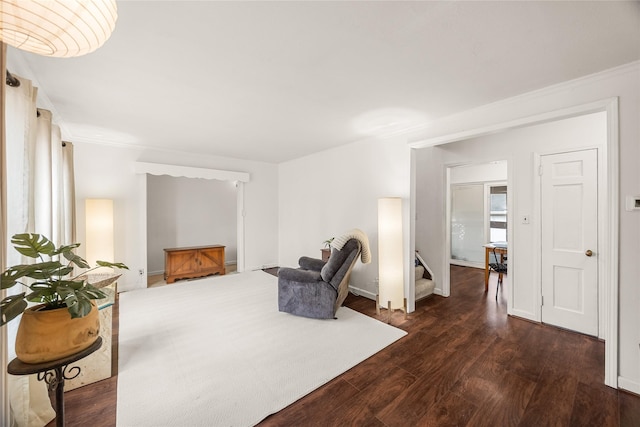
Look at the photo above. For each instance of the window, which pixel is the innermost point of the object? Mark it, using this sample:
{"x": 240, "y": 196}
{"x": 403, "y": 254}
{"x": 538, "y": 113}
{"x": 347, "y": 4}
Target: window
{"x": 498, "y": 214}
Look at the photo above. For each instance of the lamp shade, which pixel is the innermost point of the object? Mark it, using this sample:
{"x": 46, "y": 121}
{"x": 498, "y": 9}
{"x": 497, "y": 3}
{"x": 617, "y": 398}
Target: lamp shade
{"x": 99, "y": 230}
{"x": 390, "y": 252}
{"x": 60, "y": 28}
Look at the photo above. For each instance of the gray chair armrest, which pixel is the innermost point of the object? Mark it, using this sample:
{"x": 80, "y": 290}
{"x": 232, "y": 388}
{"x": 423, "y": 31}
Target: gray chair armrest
{"x": 298, "y": 275}
{"x": 313, "y": 264}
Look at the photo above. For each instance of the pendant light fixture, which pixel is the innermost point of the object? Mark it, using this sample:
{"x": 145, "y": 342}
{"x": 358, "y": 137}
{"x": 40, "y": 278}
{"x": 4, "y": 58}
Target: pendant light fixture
{"x": 59, "y": 28}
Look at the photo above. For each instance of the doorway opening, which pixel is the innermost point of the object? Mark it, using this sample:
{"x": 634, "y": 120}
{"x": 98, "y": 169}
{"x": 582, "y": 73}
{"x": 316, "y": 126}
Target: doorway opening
{"x": 238, "y": 179}
{"x": 477, "y": 218}
{"x": 189, "y": 212}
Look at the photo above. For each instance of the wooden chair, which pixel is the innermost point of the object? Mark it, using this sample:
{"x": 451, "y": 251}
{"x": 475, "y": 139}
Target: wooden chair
{"x": 499, "y": 266}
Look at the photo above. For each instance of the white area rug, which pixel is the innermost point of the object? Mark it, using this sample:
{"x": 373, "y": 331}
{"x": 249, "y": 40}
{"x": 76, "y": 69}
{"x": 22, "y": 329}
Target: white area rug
{"x": 216, "y": 352}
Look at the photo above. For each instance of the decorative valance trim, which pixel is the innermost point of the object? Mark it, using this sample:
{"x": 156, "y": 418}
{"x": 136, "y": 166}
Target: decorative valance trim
{"x": 189, "y": 172}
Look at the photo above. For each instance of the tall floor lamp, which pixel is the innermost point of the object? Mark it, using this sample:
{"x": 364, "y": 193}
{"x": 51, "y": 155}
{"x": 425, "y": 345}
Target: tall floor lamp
{"x": 99, "y": 231}
{"x": 61, "y": 28}
{"x": 390, "y": 256}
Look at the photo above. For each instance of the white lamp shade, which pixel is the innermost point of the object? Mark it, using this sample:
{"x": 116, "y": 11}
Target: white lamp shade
{"x": 99, "y": 230}
{"x": 390, "y": 252}
{"x": 60, "y": 28}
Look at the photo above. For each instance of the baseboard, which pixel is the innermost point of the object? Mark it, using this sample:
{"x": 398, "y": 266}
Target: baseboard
{"x": 629, "y": 385}
{"x": 362, "y": 293}
{"x": 463, "y": 263}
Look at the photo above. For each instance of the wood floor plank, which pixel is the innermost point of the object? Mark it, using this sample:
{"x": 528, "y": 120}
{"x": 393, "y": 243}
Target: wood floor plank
{"x": 425, "y": 364}
{"x": 421, "y": 320}
{"x": 482, "y": 380}
{"x": 361, "y": 409}
{"x": 307, "y": 411}
{"x": 378, "y": 366}
{"x": 555, "y": 389}
{"x": 506, "y": 406}
{"x": 629, "y": 409}
{"x": 593, "y": 361}
{"x": 480, "y": 339}
{"x": 92, "y": 405}
{"x": 531, "y": 354}
{"x": 595, "y": 406}
{"x": 413, "y": 402}
{"x": 450, "y": 411}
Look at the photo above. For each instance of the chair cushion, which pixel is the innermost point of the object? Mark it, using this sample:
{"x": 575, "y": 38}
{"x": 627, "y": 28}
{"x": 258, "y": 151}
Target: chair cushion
{"x": 299, "y": 275}
{"x": 498, "y": 267}
{"x": 337, "y": 259}
{"x": 314, "y": 264}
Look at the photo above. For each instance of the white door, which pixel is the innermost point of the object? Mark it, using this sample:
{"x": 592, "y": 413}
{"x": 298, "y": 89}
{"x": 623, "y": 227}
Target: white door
{"x": 569, "y": 221}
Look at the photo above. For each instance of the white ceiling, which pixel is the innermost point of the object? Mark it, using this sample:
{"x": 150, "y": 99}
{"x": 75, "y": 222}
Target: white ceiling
{"x": 273, "y": 81}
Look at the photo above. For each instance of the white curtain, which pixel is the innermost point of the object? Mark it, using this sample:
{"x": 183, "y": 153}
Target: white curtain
{"x": 40, "y": 199}
{"x": 4, "y": 354}
{"x": 53, "y": 203}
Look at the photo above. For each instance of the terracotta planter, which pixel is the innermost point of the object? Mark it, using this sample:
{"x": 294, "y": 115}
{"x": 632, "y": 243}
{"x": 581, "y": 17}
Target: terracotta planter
{"x": 46, "y": 335}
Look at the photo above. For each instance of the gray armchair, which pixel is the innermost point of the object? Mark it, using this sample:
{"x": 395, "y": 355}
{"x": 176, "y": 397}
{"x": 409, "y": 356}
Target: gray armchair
{"x": 317, "y": 289}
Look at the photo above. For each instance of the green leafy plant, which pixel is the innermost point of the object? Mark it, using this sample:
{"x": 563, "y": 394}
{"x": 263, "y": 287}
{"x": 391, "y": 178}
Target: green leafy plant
{"x": 327, "y": 243}
{"x": 50, "y": 281}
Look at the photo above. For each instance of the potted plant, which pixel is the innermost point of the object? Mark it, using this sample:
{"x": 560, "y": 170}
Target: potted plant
{"x": 327, "y": 243}
{"x": 67, "y": 320}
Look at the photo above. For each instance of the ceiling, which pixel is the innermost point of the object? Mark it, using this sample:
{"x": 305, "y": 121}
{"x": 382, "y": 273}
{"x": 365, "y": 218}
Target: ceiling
{"x": 274, "y": 81}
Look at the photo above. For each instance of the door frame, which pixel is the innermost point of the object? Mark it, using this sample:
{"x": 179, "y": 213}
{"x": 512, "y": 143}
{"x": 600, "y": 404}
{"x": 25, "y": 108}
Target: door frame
{"x": 608, "y": 246}
{"x": 446, "y": 267}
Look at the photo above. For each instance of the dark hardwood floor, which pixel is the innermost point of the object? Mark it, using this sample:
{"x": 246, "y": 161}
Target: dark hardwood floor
{"x": 464, "y": 362}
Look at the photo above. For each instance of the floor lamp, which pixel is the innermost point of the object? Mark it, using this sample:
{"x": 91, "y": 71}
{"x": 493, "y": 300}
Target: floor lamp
{"x": 99, "y": 231}
{"x": 60, "y": 28}
{"x": 390, "y": 256}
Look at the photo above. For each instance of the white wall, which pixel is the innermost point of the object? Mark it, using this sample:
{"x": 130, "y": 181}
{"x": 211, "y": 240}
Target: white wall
{"x": 184, "y": 212}
{"x": 331, "y": 192}
{"x": 107, "y": 172}
{"x": 622, "y": 82}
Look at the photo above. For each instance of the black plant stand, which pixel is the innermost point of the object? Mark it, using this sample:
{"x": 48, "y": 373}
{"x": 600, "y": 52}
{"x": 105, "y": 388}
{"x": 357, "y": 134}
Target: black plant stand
{"x": 54, "y": 373}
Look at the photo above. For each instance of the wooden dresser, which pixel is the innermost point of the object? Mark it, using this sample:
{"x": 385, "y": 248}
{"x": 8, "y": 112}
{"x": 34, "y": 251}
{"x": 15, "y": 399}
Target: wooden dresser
{"x": 197, "y": 261}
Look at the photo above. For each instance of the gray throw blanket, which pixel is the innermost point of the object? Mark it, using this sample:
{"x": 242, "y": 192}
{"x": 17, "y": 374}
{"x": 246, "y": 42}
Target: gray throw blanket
{"x": 360, "y": 236}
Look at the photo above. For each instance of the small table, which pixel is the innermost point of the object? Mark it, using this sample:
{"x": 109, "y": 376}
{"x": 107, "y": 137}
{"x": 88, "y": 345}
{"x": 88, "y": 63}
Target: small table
{"x": 500, "y": 248}
{"x": 54, "y": 373}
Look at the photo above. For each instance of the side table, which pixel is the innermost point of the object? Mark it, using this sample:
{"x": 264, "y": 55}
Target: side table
{"x": 54, "y": 374}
